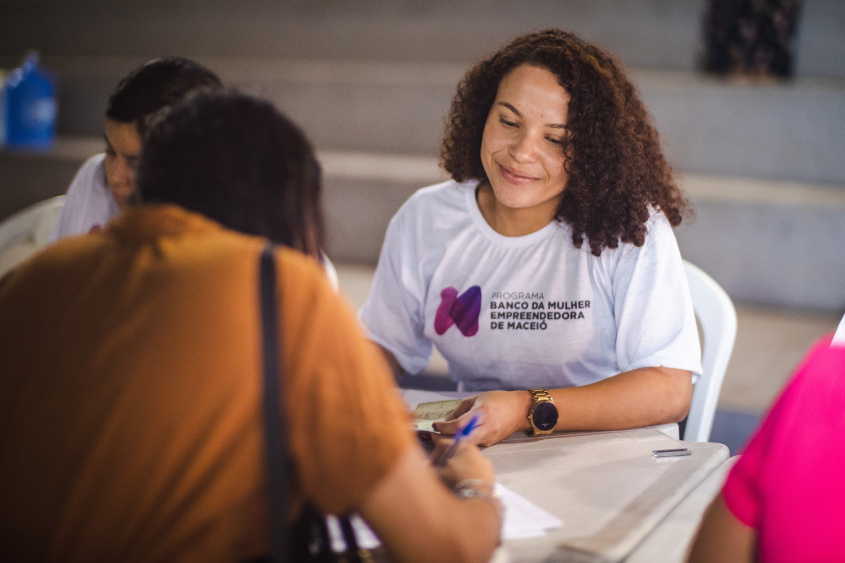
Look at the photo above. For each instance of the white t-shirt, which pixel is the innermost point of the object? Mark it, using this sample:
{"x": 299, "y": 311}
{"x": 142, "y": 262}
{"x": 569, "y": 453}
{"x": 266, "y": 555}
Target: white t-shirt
{"x": 88, "y": 203}
{"x": 530, "y": 311}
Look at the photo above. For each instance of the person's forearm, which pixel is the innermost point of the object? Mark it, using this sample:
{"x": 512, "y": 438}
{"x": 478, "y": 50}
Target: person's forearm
{"x": 419, "y": 519}
{"x": 631, "y": 399}
{"x": 721, "y": 537}
{"x": 466, "y": 534}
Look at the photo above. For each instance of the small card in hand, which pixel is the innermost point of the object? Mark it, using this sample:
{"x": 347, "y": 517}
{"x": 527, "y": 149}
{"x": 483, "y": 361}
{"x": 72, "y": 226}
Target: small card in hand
{"x": 426, "y": 414}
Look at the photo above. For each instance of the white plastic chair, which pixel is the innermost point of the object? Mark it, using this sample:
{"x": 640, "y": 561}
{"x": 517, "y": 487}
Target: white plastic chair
{"x": 716, "y": 316}
{"x": 24, "y": 232}
{"x": 331, "y": 272}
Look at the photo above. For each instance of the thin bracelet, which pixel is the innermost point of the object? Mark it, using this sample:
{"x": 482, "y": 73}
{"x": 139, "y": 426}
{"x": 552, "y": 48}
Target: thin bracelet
{"x": 471, "y": 488}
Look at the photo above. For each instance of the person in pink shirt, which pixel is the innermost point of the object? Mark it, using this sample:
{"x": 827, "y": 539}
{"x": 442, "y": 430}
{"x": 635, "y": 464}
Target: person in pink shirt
{"x": 784, "y": 499}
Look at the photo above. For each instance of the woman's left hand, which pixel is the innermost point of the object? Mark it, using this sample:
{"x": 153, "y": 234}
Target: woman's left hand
{"x": 502, "y": 414}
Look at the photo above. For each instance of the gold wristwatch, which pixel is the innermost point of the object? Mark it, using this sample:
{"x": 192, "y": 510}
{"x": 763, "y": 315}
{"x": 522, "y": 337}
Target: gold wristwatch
{"x": 542, "y": 416}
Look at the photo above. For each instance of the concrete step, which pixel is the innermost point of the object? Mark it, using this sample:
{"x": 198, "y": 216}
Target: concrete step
{"x": 651, "y": 34}
{"x": 778, "y": 131}
{"x": 362, "y": 191}
{"x": 409, "y": 30}
{"x": 771, "y": 243}
{"x": 765, "y": 242}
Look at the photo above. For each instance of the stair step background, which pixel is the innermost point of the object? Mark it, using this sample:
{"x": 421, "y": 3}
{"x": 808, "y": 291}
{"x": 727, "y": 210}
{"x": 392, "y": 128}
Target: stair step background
{"x": 371, "y": 82}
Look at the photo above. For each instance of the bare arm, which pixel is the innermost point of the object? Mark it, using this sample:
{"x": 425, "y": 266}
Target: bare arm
{"x": 419, "y": 519}
{"x": 631, "y": 399}
{"x": 722, "y": 537}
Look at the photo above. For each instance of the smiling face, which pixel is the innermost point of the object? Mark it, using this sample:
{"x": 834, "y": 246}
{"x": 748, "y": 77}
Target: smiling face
{"x": 123, "y": 144}
{"x": 522, "y": 151}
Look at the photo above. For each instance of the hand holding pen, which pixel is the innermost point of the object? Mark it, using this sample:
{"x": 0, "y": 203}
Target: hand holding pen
{"x": 457, "y": 438}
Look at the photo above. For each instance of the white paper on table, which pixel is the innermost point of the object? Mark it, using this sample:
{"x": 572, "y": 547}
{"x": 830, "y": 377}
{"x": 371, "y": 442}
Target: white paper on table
{"x": 523, "y": 519}
{"x": 365, "y": 536}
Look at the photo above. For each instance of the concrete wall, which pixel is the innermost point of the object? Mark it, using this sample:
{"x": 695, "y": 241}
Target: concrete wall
{"x": 397, "y": 30}
{"x": 371, "y": 81}
{"x": 647, "y": 34}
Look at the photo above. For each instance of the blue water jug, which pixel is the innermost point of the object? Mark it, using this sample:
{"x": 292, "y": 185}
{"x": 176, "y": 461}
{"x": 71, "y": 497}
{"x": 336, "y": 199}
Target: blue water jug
{"x": 31, "y": 107}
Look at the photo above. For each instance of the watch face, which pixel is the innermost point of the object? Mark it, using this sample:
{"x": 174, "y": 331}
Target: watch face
{"x": 545, "y": 416}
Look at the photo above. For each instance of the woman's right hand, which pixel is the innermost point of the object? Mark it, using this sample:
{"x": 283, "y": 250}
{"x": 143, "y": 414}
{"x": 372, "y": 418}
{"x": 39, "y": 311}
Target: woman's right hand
{"x": 502, "y": 414}
{"x": 466, "y": 463}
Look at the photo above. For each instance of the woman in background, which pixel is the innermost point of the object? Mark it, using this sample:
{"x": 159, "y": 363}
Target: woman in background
{"x": 546, "y": 271}
{"x": 105, "y": 183}
{"x": 131, "y": 392}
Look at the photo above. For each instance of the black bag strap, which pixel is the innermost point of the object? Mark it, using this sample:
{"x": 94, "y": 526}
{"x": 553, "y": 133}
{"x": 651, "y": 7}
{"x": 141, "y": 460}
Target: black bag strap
{"x": 275, "y": 432}
{"x": 311, "y": 526}
{"x": 353, "y": 553}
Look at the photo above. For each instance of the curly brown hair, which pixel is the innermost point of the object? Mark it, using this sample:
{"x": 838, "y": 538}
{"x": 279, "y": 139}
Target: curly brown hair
{"x": 612, "y": 153}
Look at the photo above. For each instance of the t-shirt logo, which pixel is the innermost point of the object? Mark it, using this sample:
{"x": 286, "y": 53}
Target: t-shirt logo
{"x": 461, "y": 311}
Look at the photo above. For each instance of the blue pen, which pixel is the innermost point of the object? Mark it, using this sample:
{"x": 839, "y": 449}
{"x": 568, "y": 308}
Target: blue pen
{"x": 462, "y": 433}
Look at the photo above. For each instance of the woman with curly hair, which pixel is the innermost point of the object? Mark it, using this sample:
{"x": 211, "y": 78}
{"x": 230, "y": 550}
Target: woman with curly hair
{"x": 546, "y": 271}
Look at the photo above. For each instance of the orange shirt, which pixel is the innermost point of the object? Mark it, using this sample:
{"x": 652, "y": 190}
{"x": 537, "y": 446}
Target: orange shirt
{"x": 130, "y": 418}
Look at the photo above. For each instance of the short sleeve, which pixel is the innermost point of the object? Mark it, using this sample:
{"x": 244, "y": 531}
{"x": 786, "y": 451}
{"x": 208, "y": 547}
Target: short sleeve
{"x": 652, "y": 305}
{"x": 393, "y": 315}
{"x": 349, "y": 425}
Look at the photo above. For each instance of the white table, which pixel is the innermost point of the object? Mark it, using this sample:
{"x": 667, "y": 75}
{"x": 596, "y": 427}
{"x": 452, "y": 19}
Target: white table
{"x": 671, "y": 539}
{"x": 608, "y": 489}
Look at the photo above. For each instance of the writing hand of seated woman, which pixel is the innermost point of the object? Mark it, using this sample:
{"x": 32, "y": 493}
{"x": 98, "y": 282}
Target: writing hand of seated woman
{"x": 466, "y": 463}
{"x": 502, "y": 414}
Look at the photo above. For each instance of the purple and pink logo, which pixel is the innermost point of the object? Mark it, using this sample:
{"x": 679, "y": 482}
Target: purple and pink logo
{"x": 461, "y": 311}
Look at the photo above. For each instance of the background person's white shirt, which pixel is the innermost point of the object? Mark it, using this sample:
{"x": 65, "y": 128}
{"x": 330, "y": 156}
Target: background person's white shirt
{"x": 88, "y": 203}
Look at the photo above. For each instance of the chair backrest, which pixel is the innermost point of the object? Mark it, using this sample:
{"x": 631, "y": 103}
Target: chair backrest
{"x": 716, "y": 316}
{"x": 24, "y": 232}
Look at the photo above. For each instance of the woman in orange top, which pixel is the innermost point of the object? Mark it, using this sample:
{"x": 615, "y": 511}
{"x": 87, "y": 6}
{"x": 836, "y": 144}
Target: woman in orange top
{"x": 130, "y": 414}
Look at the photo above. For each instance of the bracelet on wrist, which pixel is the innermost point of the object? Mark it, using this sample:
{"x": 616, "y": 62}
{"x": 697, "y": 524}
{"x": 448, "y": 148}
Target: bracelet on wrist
{"x": 482, "y": 490}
